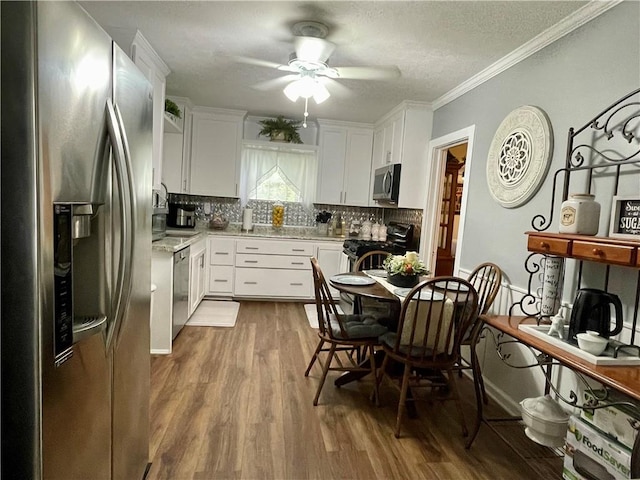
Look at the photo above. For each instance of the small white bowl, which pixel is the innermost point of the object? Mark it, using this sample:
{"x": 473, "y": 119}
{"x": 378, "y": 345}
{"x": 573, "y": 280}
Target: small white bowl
{"x": 592, "y": 343}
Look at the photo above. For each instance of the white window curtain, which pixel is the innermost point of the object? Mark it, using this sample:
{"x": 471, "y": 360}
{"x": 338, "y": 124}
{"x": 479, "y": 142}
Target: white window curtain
{"x": 299, "y": 166}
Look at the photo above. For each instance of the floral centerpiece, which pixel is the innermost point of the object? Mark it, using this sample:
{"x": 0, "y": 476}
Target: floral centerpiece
{"x": 404, "y": 270}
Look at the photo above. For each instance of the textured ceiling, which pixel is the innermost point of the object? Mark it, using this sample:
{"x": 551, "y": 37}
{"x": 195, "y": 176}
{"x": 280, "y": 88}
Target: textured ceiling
{"x": 436, "y": 46}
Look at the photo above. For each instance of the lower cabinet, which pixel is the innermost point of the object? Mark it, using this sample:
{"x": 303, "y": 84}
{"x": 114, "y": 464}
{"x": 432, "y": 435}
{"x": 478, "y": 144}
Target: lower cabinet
{"x": 161, "y": 318}
{"x": 332, "y": 261}
{"x": 221, "y": 266}
{"x": 268, "y": 268}
{"x": 273, "y": 268}
{"x": 197, "y": 274}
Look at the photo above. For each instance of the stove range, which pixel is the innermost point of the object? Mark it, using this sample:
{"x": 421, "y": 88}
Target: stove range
{"x": 355, "y": 248}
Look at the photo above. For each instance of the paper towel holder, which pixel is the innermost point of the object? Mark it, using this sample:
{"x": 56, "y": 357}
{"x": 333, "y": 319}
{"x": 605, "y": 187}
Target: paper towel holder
{"x": 247, "y": 220}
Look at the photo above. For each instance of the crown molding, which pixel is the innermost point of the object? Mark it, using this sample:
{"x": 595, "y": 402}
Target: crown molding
{"x": 568, "y": 24}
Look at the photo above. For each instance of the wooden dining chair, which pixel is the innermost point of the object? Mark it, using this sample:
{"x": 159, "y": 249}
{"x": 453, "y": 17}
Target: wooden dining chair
{"x": 373, "y": 260}
{"x": 342, "y": 337}
{"x": 434, "y": 317}
{"x": 486, "y": 278}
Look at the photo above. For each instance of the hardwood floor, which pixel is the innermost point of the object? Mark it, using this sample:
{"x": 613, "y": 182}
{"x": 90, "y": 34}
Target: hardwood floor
{"x": 233, "y": 403}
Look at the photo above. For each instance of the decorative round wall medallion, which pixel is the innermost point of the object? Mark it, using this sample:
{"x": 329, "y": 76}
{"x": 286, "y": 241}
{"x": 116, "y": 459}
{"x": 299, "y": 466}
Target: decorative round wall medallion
{"x": 519, "y": 156}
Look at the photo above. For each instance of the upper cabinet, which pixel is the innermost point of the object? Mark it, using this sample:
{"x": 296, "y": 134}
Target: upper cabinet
{"x": 216, "y": 140}
{"x": 177, "y": 148}
{"x": 402, "y": 136}
{"x": 156, "y": 71}
{"x": 344, "y": 163}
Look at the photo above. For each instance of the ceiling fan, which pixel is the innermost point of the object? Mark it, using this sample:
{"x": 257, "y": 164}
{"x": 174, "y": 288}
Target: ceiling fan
{"x": 309, "y": 70}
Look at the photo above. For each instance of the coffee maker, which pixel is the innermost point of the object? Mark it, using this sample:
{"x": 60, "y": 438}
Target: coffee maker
{"x": 591, "y": 311}
{"x": 181, "y": 215}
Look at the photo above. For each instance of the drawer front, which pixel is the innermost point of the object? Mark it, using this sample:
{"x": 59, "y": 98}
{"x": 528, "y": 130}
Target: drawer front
{"x": 221, "y": 279}
{"x": 555, "y": 246}
{"x": 302, "y": 249}
{"x": 264, "y": 282}
{"x": 221, "y": 251}
{"x": 272, "y": 261}
{"x": 600, "y": 252}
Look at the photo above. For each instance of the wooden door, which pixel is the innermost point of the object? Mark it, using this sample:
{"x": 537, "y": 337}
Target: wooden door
{"x": 448, "y": 209}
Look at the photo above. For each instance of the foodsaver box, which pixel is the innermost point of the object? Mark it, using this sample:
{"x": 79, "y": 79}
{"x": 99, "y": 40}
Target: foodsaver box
{"x": 619, "y": 422}
{"x": 592, "y": 454}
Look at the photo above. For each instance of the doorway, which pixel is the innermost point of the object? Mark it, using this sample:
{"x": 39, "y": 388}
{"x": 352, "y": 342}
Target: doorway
{"x": 444, "y": 215}
{"x": 450, "y": 206}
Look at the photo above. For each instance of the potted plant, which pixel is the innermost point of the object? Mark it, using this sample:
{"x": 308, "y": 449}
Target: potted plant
{"x": 280, "y": 129}
{"x": 171, "y": 108}
{"x": 404, "y": 270}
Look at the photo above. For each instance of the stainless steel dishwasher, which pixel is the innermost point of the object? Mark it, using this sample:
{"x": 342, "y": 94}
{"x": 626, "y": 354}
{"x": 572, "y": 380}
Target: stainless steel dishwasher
{"x": 180, "y": 290}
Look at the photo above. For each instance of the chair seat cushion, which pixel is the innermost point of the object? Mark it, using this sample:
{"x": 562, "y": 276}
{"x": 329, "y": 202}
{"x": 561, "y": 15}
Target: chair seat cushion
{"x": 389, "y": 339}
{"x": 357, "y": 326}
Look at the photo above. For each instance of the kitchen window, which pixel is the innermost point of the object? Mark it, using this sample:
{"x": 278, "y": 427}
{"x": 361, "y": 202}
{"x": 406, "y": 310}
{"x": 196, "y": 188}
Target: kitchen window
{"x": 278, "y": 172}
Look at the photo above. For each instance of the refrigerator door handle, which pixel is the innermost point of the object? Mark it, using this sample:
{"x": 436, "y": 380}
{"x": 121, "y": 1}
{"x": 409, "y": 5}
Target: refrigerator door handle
{"x": 132, "y": 222}
{"x": 124, "y": 260}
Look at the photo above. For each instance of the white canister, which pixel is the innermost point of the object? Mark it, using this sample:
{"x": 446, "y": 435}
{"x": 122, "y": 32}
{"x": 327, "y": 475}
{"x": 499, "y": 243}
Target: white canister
{"x": 365, "y": 230}
{"x": 375, "y": 232}
{"x": 382, "y": 233}
{"x": 580, "y": 214}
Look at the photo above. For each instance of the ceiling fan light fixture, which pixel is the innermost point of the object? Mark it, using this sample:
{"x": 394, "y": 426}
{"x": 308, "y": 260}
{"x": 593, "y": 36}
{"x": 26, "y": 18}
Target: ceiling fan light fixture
{"x": 306, "y": 87}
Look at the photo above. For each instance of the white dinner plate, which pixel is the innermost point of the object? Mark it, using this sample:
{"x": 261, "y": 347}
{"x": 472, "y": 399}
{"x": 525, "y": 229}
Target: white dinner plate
{"x": 452, "y": 286}
{"x": 352, "y": 280}
{"x": 424, "y": 294}
{"x": 377, "y": 273}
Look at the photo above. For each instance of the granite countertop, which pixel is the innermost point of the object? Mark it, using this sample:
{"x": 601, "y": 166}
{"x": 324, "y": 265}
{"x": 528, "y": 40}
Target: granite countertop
{"x": 177, "y": 240}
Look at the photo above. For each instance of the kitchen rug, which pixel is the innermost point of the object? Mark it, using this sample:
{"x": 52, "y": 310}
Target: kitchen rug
{"x": 312, "y": 314}
{"x": 214, "y": 313}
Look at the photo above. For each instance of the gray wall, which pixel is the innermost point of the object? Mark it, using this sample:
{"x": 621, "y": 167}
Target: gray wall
{"x": 572, "y": 80}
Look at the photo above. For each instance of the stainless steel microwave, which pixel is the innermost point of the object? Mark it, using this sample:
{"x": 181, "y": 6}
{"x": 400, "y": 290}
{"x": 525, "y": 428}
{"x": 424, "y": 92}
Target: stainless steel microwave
{"x": 386, "y": 183}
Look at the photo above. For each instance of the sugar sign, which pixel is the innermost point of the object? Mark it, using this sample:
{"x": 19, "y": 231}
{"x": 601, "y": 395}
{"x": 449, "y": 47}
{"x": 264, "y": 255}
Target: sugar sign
{"x": 625, "y": 217}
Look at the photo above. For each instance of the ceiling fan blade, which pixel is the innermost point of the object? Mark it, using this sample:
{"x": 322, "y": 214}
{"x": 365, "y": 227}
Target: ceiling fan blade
{"x": 369, "y": 73}
{"x": 313, "y": 49}
{"x": 336, "y": 88}
{"x": 257, "y": 62}
{"x": 274, "y": 83}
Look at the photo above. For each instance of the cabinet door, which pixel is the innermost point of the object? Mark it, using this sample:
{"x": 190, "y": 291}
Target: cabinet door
{"x": 214, "y": 156}
{"x": 145, "y": 61}
{"x": 172, "y": 162}
{"x": 358, "y": 167}
{"x": 333, "y": 144}
{"x": 397, "y": 138}
{"x": 196, "y": 280}
{"x": 331, "y": 260}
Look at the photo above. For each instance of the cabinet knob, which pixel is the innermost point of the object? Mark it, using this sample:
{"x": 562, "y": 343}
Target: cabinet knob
{"x": 545, "y": 245}
{"x": 598, "y": 252}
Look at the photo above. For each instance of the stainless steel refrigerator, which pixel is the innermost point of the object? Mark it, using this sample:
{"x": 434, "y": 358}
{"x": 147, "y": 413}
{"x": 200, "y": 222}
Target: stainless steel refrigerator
{"x": 76, "y": 238}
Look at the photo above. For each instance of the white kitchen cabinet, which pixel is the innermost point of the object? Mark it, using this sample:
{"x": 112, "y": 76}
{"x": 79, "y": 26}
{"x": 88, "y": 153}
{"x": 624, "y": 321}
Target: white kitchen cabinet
{"x": 402, "y": 136}
{"x": 176, "y": 148}
{"x": 344, "y": 165}
{"x": 216, "y": 139}
{"x": 332, "y": 261}
{"x": 221, "y": 266}
{"x": 156, "y": 71}
{"x": 197, "y": 274}
{"x": 268, "y": 268}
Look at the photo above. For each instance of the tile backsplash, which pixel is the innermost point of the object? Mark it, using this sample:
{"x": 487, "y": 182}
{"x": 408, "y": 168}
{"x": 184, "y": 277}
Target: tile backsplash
{"x": 295, "y": 214}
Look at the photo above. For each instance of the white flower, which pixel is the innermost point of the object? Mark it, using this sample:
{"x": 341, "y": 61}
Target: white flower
{"x": 408, "y": 264}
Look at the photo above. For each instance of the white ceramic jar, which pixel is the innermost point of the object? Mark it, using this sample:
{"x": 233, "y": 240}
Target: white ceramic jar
{"x": 382, "y": 233}
{"x": 375, "y": 231}
{"x": 365, "y": 230}
{"x": 580, "y": 214}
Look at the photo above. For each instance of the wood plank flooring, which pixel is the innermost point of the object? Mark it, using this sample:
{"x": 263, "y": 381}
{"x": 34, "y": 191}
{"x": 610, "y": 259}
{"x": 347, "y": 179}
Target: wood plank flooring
{"x": 233, "y": 403}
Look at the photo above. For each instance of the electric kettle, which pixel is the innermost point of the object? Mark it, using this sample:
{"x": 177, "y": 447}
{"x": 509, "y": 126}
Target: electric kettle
{"x": 591, "y": 311}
